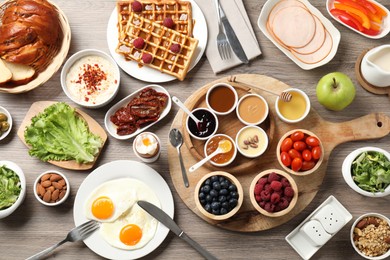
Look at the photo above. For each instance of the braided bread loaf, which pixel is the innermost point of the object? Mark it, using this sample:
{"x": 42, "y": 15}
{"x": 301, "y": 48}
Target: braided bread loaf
{"x": 30, "y": 33}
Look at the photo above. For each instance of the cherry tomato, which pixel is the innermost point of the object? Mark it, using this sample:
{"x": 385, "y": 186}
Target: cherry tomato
{"x": 308, "y": 165}
{"x": 312, "y": 141}
{"x": 294, "y": 154}
{"x": 306, "y": 155}
{"x": 297, "y": 136}
{"x": 296, "y": 164}
{"x": 299, "y": 145}
{"x": 286, "y": 145}
{"x": 286, "y": 159}
{"x": 316, "y": 152}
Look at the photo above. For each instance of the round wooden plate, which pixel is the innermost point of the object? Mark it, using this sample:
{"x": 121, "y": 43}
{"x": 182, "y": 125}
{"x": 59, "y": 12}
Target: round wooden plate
{"x": 367, "y": 86}
{"x": 247, "y": 219}
{"x": 55, "y": 63}
{"x": 229, "y": 125}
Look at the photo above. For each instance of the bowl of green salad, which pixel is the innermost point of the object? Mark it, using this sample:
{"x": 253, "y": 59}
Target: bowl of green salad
{"x": 367, "y": 171}
{"x": 12, "y": 187}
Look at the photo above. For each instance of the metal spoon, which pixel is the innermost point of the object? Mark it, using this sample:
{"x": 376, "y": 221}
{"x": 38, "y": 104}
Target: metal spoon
{"x": 198, "y": 122}
{"x": 224, "y": 146}
{"x": 176, "y": 140}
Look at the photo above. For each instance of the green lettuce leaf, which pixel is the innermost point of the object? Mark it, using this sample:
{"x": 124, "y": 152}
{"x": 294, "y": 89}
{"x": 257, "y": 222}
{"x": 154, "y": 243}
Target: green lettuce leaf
{"x": 371, "y": 171}
{"x": 9, "y": 187}
{"x": 59, "y": 134}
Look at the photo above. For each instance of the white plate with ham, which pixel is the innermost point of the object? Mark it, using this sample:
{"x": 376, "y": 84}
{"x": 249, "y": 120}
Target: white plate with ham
{"x": 300, "y": 31}
{"x": 137, "y": 112}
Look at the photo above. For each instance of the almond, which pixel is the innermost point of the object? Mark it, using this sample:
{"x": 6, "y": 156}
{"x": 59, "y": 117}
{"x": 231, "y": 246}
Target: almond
{"x": 256, "y": 139}
{"x": 62, "y": 182}
{"x": 55, "y": 177}
{"x": 57, "y": 185}
{"x": 362, "y": 224}
{"x": 51, "y": 188}
{"x": 62, "y": 194}
{"x": 45, "y": 177}
{"x": 55, "y": 194}
{"x": 253, "y": 145}
{"x": 47, "y": 196}
{"x": 46, "y": 183}
{"x": 40, "y": 190}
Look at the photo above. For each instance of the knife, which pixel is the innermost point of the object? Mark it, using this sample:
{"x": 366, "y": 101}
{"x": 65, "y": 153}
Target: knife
{"x": 232, "y": 38}
{"x": 167, "y": 221}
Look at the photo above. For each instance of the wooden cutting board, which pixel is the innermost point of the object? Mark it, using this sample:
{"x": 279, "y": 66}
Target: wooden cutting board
{"x": 94, "y": 127}
{"x": 331, "y": 134}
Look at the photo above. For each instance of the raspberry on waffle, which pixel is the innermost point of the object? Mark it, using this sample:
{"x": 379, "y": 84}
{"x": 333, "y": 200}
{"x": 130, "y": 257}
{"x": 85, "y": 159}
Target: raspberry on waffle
{"x": 156, "y": 46}
{"x": 179, "y": 12}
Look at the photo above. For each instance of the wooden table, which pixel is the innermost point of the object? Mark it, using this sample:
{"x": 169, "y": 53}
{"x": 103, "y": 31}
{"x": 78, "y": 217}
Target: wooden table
{"x": 33, "y": 227}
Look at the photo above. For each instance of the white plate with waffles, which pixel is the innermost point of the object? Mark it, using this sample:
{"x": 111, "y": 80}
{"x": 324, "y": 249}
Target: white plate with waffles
{"x": 145, "y": 73}
{"x": 116, "y": 170}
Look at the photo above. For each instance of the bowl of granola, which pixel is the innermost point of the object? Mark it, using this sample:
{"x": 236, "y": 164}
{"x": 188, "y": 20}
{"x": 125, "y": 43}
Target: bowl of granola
{"x": 370, "y": 236}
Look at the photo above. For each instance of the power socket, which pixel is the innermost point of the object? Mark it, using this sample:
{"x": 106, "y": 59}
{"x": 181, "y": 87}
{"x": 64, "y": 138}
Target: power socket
{"x": 330, "y": 218}
{"x": 315, "y": 233}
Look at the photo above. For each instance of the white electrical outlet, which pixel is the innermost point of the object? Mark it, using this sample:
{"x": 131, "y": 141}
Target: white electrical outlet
{"x": 331, "y": 218}
{"x": 315, "y": 232}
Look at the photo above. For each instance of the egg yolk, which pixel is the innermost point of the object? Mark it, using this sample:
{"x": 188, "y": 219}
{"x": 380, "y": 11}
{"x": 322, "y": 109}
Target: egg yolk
{"x": 130, "y": 234}
{"x": 103, "y": 208}
{"x": 146, "y": 141}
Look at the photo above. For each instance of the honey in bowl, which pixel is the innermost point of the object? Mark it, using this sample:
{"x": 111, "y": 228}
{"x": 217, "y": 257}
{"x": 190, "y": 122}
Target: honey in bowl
{"x": 222, "y": 158}
{"x": 221, "y": 98}
{"x": 295, "y": 108}
{"x": 252, "y": 109}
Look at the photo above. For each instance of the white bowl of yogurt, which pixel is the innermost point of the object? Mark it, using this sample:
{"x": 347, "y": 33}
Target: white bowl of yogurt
{"x": 90, "y": 78}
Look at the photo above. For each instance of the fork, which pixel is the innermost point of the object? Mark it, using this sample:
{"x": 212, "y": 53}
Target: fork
{"x": 222, "y": 42}
{"x": 76, "y": 234}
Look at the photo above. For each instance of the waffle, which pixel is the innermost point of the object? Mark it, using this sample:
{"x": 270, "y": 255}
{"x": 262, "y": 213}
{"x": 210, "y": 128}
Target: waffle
{"x": 157, "y": 11}
{"x": 158, "y": 40}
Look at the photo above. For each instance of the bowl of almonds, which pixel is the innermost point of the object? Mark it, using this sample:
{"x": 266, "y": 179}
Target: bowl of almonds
{"x": 251, "y": 141}
{"x": 51, "y": 188}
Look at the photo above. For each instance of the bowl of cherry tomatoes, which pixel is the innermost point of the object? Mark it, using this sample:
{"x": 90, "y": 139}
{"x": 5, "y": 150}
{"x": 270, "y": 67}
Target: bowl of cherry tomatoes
{"x": 300, "y": 152}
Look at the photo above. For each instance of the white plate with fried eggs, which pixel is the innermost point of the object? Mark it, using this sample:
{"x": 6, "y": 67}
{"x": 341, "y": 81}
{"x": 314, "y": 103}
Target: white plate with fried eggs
{"x": 109, "y": 195}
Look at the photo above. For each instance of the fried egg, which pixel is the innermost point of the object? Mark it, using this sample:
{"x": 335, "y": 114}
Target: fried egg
{"x": 111, "y": 199}
{"x": 125, "y": 225}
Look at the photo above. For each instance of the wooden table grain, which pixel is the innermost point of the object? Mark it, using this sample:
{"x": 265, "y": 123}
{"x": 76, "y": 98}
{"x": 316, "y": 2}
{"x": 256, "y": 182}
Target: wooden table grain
{"x": 33, "y": 227}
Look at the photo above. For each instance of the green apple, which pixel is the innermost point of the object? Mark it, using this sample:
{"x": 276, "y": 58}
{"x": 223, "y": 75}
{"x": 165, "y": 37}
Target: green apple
{"x": 335, "y": 91}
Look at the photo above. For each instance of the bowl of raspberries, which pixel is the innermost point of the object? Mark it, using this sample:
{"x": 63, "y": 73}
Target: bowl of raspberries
{"x": 273, "y": 193}
{"x": 218, "y": 195}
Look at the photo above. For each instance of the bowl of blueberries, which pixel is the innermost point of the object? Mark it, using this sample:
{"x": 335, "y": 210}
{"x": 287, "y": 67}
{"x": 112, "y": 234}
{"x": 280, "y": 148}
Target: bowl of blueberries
{"x": 218, "y": 195}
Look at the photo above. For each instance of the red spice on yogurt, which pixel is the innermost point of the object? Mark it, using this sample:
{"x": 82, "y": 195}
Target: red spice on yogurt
{"x": 91, "y": 80}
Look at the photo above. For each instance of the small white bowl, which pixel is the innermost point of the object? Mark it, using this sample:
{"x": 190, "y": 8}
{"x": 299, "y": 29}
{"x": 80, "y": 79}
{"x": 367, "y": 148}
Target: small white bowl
{"x": 147, "y": 159}
{"x": 234, "y": 147}
{"x": 37, "y": 180}
{"x": 254, "y": 109}
{"x": 109, "y": 94}
{"x": 263, "y": 137}
{"x": 385, "y": 255}
{"x": 305, "y": 113}
{"x": 9, "y": 120}
{"x": 222, "y": 97}
{"x": 13, "y": 166}
{"x": 214, "y": 117}
{"x": 346, "y": 170}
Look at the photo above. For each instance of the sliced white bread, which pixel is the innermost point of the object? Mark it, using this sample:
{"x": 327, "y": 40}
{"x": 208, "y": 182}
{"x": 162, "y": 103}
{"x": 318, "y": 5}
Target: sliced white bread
{"x": 21, "y": 73}
{"x": 5, "y": 73}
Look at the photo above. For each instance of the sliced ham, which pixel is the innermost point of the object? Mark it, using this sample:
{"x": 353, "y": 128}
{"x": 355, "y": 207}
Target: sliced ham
{"x": 294, "y": 26}
{"x": 317, "y": 41}
{"x": 283, "y": 4}
{"x": 318, "y": 55}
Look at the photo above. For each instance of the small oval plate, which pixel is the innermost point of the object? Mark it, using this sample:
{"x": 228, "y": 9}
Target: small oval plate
{"x": 386, "y": 21}
{"x": 111, "y": 128}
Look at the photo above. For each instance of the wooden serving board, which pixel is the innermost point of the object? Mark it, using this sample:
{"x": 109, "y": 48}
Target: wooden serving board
{"x": 94, "y": 127}
{"x": 331, "y": 134}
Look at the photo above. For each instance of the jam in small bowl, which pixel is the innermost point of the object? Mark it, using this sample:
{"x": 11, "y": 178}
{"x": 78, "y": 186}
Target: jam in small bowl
{"x": 221, "y": 159}
{"x": 207, "y": 126}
